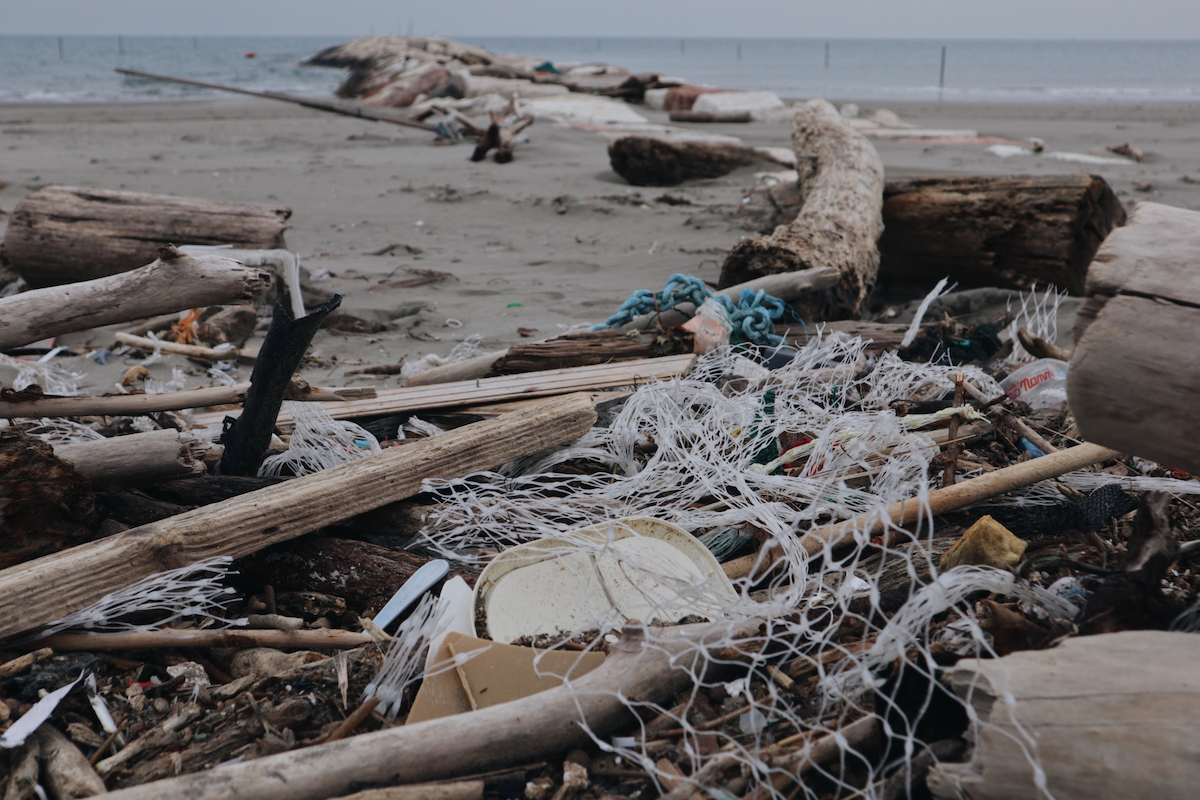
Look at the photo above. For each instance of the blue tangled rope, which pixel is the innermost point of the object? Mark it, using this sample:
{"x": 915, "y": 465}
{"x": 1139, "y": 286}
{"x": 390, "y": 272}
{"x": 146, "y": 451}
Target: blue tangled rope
{"x": 753, "y": 317}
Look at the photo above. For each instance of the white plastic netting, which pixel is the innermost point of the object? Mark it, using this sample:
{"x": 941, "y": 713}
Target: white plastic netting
{"x": 685, "y": 451}
{"x": 318, "y": 442}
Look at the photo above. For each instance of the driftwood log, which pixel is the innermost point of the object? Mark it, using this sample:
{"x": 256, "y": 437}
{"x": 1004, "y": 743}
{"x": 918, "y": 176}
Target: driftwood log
{"x": 140, "y": 459}
{"x": 174, "y": 282}
{"x": 53, "y": 586}
{"x": 841, "y": 180}
{"x": 650, "y": 161}
{"x": 645, "y": 669}
{"x": 1106, "y": 717}
{"x": 576, "y": 350}
{"x": 1010, "y": 231}
{"x": 1134, "y": 381}
{"x": 65, "y": 234}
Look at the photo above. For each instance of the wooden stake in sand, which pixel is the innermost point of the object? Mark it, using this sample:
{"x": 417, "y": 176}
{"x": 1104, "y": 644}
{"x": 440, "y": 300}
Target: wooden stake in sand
{"x": 841, "y": 181}
{"x": 51, "y": 587}
{"x": 172, "y": 283}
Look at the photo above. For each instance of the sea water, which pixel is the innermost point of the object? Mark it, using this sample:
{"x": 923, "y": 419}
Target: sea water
{"x": 80, "y": 68}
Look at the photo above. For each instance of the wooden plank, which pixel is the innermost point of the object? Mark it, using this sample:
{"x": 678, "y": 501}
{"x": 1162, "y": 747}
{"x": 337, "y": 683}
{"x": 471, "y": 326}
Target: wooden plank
{"x": 53, "y": 586}
{"x": 1157, "y": 254}
{"x": 491, "y": 390}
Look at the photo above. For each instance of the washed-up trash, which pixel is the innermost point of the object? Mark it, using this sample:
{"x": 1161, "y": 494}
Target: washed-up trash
{"x": 471, "y": 673}
{"x": 987, "y": 543}
{"x": 424, "y": 579}
{"x": 1041, "y": 383}
{"x": 604, "y": 575}
{"x": 16, "y": 735}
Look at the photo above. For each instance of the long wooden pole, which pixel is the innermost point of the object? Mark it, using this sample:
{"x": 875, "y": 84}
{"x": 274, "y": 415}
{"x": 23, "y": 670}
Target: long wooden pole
{"x": 345, "y": 109}
{"x": 45, "y": 589}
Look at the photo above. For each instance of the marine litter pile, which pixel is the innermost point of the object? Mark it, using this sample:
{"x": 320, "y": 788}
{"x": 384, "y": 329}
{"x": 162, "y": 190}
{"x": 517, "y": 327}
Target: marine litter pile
{"x": 736, "y": 542}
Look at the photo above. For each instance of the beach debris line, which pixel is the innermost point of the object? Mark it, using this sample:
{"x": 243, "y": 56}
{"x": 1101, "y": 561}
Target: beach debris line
{"x": 654, "y": 161}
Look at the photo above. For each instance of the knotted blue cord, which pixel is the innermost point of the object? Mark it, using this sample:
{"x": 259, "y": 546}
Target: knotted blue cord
{"x": 753, "y": 317}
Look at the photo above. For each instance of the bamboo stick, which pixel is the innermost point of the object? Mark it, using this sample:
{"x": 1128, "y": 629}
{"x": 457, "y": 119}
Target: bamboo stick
{"x": 50, "y": 587}
{"x": 172, "y": 283}
{"x": 941, "y": 501}
{"x": 189, "y": 350}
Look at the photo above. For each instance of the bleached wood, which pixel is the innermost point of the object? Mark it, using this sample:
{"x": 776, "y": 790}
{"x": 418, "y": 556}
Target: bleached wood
{"x": 1134, "y": 379}
{"x": 491, "y": 390}
{"x": 649, "y": 669}
{"x": 841, "y": 183}
{"x": 314, "y": 639}
{"x": 172, "y": 283}
{"x": 140, "y": 459}
{"x": 64, "y": 234}
{"x": 189, "y": 350}
{"x": 48, "y": 588}
{"x": 138, "y": 404}
{"x": 1107, "y": 717}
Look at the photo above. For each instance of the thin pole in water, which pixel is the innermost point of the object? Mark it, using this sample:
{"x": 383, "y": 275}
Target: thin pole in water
{"x": 597, "y": 45}
{"x": 60, "y": 49}
{"x": 195, "y": 43}
{"x": 942, "y": 74}
{"x": 120, "y": 44}
{"x": 827, "y": 55}
{"x": 682, "y": 47}
{"x": 739, "y": 51}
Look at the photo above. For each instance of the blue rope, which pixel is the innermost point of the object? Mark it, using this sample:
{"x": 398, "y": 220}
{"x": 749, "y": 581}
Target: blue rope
{"x": 753, "y": 316}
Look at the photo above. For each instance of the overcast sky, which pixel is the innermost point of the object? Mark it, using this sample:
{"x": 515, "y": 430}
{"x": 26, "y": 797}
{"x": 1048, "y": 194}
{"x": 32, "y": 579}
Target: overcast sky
{"x": 933, "y": 19}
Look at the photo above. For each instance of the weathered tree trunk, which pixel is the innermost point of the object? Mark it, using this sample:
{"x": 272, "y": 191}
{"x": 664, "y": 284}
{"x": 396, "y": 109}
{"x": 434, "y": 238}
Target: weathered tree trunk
{"x": 1106, "y": 717}
{"x": 1008, "y": 231}
{"x": 51, "y": 587}
{"x": 841, "y": 181}
{"x": 649, "y": 161}
{"x": 65, "y": 234}
{"x": 576, "y": 350}
{"x": 1134, "y": 382}
{"x": 172, "y": 283}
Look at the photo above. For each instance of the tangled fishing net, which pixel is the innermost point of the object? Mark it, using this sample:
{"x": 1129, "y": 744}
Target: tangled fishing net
{"x": 703, "y": 453}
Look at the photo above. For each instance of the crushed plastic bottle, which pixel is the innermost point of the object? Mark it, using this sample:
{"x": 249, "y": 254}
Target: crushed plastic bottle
{"x": 1041, "y": 383}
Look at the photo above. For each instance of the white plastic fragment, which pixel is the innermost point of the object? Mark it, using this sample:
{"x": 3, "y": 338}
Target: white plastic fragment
{"x": 23, "y": 728}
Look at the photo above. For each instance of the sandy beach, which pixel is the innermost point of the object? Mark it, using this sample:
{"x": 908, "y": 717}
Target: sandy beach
{"x": 554, "y": 239}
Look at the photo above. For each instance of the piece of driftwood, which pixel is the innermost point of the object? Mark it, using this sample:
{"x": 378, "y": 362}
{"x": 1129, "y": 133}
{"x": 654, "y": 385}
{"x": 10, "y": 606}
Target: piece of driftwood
{"x": 1038, "y": 347}
{"x": 647, "y": 669}
{"x": 1134, "y": 381}
{"x": 500, "y": 137}
{"x": 189, "y": 350}
{"x": 941, "y": 501}
{"x": 355, "y": 110}
{"x": 711, "y": 116}
{"x": 65, "y": 771}
{"x": 366, "y": 575}
{"x": 650, "y": 161}
{"x": 1105, "y": 717}
{"x": 247, "y": 438}
{"x": 56, "y": 585}
{"x": 172, "y": 283}
{"x": 65, "y": 234}
{"x": 140, "y": 459}
{"x": 841, "y": 181}
{"x": 981, "y": 230}
{"x": 166, "y": 638}
{"x": 504, "y": 387}
{"x": 19, "y": 404}
{"x": 576, "y": 349}
{"x": 46, "y": 504}
{"x": 788, "y": 287}
{"x": 1008, "y": 231}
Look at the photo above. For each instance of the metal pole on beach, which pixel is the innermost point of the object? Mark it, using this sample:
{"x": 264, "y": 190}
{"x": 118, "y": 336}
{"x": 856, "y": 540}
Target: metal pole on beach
{"x": 60, "y": 49}
{"x": 942, "y": 74}
{"x": 739, "y": 51}
{"x": 682, "y": 46}
{"x": 827, "y": 55}
{"x": 120, "y": 44}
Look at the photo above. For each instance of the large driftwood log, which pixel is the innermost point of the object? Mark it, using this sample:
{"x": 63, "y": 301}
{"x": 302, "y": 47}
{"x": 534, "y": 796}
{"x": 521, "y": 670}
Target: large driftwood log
{"x": 1134, "y": 381}
{"x": 172, "y": 283}
{"x": 65, "y": 234}
{"x": 982, "y": 230}
{"x": 1106, "y": 717}
{"x": 645, "y": 670}
{"x": 650, "y": 161}
{"x": 841, "y": 181}
{"x": 575, "y": 350}
{"x": 140, "y": 459}
{"x": 53, "y": 586}
{"x": 1008, "y": 231}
